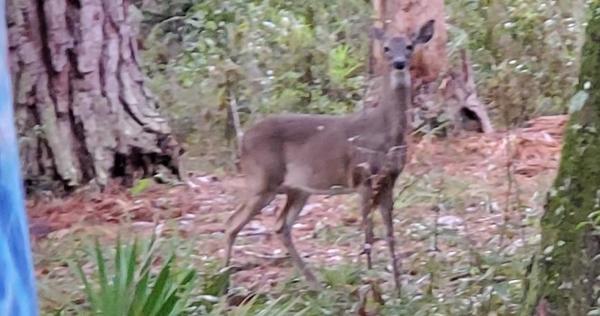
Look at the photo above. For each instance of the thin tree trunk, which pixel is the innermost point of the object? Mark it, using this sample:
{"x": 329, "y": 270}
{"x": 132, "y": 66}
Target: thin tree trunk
{"x": 564, "y": 275}
{"x": 82, "y": 110}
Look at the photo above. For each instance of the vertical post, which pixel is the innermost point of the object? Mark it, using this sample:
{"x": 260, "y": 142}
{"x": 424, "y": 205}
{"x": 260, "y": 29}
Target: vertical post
{"x": 17, "y": 285}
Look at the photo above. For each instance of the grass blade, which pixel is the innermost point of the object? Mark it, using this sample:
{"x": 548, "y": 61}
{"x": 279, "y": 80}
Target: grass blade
{"x": 89, "y": 292}
{"x": 104, "y": 295}
{"x": 158, "y": 289}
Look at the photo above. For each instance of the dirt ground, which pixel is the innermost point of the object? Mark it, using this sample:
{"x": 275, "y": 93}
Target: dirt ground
{"x": 471, "y": 186}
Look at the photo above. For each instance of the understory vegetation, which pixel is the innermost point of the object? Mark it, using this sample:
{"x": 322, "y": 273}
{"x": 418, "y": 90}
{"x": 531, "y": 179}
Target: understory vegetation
{"x": 272, "y": 56}
{"x": 459, "y": 257}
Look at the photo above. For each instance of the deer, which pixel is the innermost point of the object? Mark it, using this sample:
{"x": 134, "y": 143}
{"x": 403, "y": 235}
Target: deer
{"x": 362, "y": 153}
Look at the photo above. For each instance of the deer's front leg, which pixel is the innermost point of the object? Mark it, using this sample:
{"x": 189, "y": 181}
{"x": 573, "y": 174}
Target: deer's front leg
{"x": 366, "y": 205}
{"x": 386, "y": 205}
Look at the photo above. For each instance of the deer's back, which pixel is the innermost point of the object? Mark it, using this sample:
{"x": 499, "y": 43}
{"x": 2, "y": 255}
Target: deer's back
{"x": 299, "y": 150}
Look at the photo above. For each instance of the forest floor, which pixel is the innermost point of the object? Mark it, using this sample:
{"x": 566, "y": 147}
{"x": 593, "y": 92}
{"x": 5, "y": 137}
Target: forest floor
{"x": 466, "y": 204}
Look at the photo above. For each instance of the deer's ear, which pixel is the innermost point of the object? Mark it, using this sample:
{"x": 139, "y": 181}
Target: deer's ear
{"x": 425, "y": 33}
{"x": 377, "y": 33}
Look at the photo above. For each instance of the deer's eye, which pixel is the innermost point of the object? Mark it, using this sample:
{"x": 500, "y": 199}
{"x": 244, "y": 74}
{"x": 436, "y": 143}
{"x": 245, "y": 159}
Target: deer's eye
{"x": 409, "y": 47}
{"x": 386, "y": 49}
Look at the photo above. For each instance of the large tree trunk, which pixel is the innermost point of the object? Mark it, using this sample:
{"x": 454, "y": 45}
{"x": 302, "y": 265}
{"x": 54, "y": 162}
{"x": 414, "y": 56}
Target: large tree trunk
{"x": 82, "y": 110}
{"x": 564, "y": 276}
{"x": 434, "y": 81}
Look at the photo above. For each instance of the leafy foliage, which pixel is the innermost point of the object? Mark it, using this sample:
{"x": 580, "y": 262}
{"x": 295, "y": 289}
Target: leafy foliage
{"x": 270, "y": 56}
{"x": 138, "y": 279}
{"x": 523, "y": 43}
{"x": 275, "y": 56}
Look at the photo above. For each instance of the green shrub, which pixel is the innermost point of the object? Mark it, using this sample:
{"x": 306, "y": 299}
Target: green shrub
{"x": 271, "y": 56}
{"x": 131, "y": 286}
{"x": 525, "y": 53}
{"x": 277, "y": 56}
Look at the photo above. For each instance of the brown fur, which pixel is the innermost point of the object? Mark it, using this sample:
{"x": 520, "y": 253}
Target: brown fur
{"x": 301, "y": 154}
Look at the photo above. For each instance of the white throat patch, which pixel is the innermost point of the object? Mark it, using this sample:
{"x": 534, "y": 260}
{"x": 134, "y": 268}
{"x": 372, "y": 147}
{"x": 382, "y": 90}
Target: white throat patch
{"x": 400, "y": 78}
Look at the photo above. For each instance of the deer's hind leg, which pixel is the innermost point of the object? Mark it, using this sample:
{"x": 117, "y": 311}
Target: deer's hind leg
{"x": 296, "y": 199}
{"x": 264, "y": 172}
{"x": 242, "y": 215}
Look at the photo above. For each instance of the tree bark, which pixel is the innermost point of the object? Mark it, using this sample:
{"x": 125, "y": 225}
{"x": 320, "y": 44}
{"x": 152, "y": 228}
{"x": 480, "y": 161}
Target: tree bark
{"x": 82, "y": 110}
{"x": 564, "y": 276}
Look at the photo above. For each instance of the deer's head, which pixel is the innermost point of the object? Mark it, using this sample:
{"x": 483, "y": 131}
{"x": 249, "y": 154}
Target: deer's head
{"x": 398, "y": 50}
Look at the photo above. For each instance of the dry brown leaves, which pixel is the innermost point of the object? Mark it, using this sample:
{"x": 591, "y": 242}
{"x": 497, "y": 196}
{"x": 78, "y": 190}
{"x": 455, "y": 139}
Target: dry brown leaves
{"x": 530, "y": 150}
{"x": 117, "y": 205}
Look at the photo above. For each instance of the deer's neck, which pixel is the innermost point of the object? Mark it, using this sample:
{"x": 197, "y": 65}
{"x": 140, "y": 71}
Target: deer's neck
{"x": 395, "y": 100}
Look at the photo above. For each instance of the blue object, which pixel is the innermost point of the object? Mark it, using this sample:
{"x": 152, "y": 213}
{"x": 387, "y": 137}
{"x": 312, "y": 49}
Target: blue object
{"x": 17, "y": 284}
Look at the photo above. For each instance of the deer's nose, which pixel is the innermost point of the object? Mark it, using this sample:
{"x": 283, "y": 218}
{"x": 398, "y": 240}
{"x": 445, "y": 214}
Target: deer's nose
{"x": 399, "y": 64}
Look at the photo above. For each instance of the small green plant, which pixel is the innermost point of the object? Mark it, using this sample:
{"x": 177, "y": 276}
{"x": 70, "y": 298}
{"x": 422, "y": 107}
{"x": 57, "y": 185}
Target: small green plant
{"x": 141, "y": 186}
{"x": 342, "y": 275}
{"x": 342, "y": 64}
{"x": 132, "y": 287}
{"x": 282, "y": 306}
